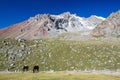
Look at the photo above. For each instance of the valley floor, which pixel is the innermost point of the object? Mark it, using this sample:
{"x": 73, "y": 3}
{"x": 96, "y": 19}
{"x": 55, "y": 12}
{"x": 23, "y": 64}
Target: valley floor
{"x": 59, "y": 76}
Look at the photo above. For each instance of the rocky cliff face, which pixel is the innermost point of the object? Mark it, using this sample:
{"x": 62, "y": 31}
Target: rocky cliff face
{"x": 109, "y": 27}
{"x": 46, "y": 25}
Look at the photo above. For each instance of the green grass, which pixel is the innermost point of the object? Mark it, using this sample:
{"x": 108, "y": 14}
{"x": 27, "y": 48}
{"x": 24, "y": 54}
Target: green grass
{"x": 60, "y": 55}
{"x": 58, "y": 76}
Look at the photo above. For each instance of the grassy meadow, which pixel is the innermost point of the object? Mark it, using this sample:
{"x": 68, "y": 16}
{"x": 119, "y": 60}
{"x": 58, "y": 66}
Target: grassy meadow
{"x": 58, "y": 76}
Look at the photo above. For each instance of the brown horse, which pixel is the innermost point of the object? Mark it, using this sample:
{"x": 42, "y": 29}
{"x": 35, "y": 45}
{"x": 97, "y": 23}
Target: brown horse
{"x": 35, "y": 68}
{"x": 25, "y": 68}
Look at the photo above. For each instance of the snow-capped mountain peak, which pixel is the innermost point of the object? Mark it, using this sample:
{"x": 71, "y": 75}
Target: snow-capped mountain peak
{"x": 50, "y": 25}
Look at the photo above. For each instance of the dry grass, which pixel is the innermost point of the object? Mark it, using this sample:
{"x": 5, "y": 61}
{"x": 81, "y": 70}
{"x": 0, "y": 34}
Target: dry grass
{"x": 59, "y": 76}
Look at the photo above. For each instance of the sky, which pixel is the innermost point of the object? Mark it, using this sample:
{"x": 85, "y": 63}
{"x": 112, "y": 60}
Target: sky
{"x": 15, "y": 11}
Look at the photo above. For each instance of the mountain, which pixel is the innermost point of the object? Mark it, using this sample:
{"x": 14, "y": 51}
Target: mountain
{"x": 46, "y": 25}
{"x": 109, "y": 27}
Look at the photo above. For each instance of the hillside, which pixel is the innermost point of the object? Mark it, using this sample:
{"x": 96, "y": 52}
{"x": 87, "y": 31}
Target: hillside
{"x": 109, "y": 28}
{"x": 59, "y": 55}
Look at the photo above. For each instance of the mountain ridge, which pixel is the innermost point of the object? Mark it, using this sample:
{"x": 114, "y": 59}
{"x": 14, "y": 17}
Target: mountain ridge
{"x": 47, "y": 25}
{"x": 109, "y": 27}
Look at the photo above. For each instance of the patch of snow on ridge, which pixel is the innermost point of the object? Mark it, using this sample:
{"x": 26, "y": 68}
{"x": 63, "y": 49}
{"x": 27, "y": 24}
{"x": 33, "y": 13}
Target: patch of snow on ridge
{"x": 99, "y": 17}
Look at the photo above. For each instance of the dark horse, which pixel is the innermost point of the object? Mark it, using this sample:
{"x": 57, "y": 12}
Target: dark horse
{"x": 36, "y": 69}
{"x": 25, "y": 68}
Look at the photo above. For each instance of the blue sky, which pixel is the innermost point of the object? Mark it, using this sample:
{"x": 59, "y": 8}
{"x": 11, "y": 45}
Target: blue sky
{"x": 15, "y": 11}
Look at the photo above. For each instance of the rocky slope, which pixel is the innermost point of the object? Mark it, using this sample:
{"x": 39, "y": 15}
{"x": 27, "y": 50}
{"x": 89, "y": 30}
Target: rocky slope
{"x": 109, "y": 27}
{"x": 46, "y": 25}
